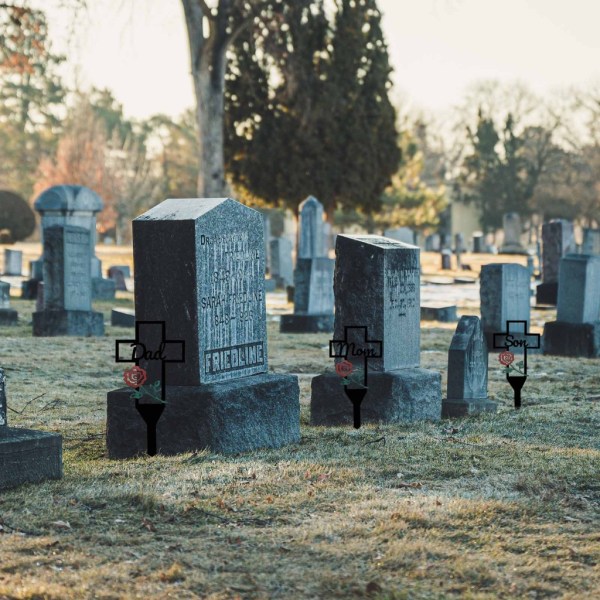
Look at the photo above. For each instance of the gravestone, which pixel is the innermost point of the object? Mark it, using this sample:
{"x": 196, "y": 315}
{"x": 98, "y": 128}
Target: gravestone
{"x": 445, "y": 313}
{"x": 69, "y": 205}
{"x": 282, "y": 268}
{"x": 310, "y": 234}
{"x": 504, "y": 295}
{"x": 513, "y": 230}
{"x": 557, "y": 241}
{"x": 8, "y": 315}
{"x": 401, "y": 234}
{"x": 327, "y": 238}
{"x": 26, "y": 456}
{"x": 221, "y": 396}
{"x": 39, "y": 301}
{"x": 122, "y": 317}
{"x": 313, "y": 276}
{"x": 478, "y": 242}
{"x": 446, "y": 255}
{"x": 432, "y": 243}
{"x": 576, "y": 331}
{"x": 591, "y": 241}
{"x": 67, "y": 285}
{"x": 117, "y": 275}
{"x": 467, "y": 371}
{"x": 123, "y": 268}
{"x": 377, "y": 287}
{"x": 13, "y": 262}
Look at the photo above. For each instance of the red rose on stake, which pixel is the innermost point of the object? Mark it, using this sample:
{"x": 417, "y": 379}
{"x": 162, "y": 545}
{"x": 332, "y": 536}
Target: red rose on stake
{"x": 344, "y": 368}
{"x": 506, "y": 358}
{"x": 135, "y": 377}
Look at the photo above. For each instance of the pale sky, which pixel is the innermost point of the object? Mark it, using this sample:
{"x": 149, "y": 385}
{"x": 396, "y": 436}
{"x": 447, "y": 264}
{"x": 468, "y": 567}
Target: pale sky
{"x": 139, "y": 48}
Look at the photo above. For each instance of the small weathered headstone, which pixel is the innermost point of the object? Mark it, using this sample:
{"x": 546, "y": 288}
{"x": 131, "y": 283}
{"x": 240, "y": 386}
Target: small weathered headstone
{"x": 446, "y": 255}
{"x": 512, "y": 234}
{"x": 557, "y": 241}
{"x": 504, "y": 295}
{"x": 282, "y": 267}
{"x": 445, "y": 313}
{"x": 118, "y": 276}
{"x": 26, "y": 456}
{"x": 377, "y": 287}
{"x": 401, "y": 234}
{"x": 576, "y": 331}
{"x": 123, "y": 268}
{"x": 67, "y": 285}
{"x": 69, "y": 205}
{"x": 591, "y": 241}
{"x": 432, "y": 243}
{"x": 478, "y": 242}
{"x": 310, "y": 234}
{"x": 313, "y": 276}
{"x": 13, "y": 262}
{"x": 221, "y": 396}
{"x": 467, "y": 371}
{"x": 8, "y": 315}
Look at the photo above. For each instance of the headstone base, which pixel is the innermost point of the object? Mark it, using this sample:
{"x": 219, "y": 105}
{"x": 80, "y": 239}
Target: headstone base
{"x": 466, "y": 407}
{"x": 122, "y": 317}
{"x": 259, "y": 411}
{"x": 444, "y": 314}
{"x": 29, "y": 289}
{"x": 400, "y": 396}
{"x": 8, "y": 316}
{"x": 572, "y": 339}
{"x": 28, "y": 456}
{"x": 306, "y": 323}
{"x": 103, "y": 289}
{"x": 68, "y": 322}
{"x": 546, "y": 293}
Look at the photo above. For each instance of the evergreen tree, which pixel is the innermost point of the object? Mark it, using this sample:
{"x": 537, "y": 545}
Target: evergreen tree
{"x": 307, "y": 107}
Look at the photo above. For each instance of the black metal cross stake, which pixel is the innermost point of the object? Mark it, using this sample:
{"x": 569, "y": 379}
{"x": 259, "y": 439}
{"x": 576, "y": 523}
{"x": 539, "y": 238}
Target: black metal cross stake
{"x": 151, "y": 351}
{"x": 362, "y": 349}
{"x": 523, "y": 340}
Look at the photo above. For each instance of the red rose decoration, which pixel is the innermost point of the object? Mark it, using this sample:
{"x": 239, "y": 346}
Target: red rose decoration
{"x": 135, "y": 376}
{"x": 344, "y": 368}
{"x": 506, "y": 358}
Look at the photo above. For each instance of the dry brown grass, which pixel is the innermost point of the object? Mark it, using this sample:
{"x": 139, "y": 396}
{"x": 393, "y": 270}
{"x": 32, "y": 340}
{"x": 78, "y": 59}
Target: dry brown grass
{"x": 502, "y": 506}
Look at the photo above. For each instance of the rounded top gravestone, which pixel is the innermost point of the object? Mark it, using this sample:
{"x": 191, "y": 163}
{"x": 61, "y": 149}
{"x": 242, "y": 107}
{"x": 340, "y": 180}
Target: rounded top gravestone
{"x": 310, "y": 235}
{"x": 70, "y": 198}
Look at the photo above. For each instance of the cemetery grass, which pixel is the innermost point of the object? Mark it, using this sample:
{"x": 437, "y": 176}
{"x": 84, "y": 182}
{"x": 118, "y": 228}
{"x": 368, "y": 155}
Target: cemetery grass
{"x": 493, "y": 506}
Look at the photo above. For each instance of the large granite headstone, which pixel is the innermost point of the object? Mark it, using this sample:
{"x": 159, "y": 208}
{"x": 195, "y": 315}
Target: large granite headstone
{"x": 512, "y": 234}
{"x": 221, "y": 397}
{"x": 26, "y": 456}
{"x": 467, "y": 371}
{"x": 557, "y": 241}
{"x": 591, "y": 241}
{"x": 504, "y": 295}
{"x": 376, "y": 286}
{"x": 69, "y": 205}
{"x": 313, "y": 276}
{"x": 282, "y": 267}
{"x": 576, "y": 331}
{"x": 13, "y": 262}
{"x": 8, "y": 315}
{"x": 67, "y": 285}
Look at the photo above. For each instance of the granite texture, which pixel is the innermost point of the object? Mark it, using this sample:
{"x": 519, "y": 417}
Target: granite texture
{"x": 579, "y": 289}
{"x": 572, "y": 339}
{"x": 241, "y": 415}
{"x": 401, "y": 396}
{"x": 211, "y": 251}
{"x": 313, "y": 286}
